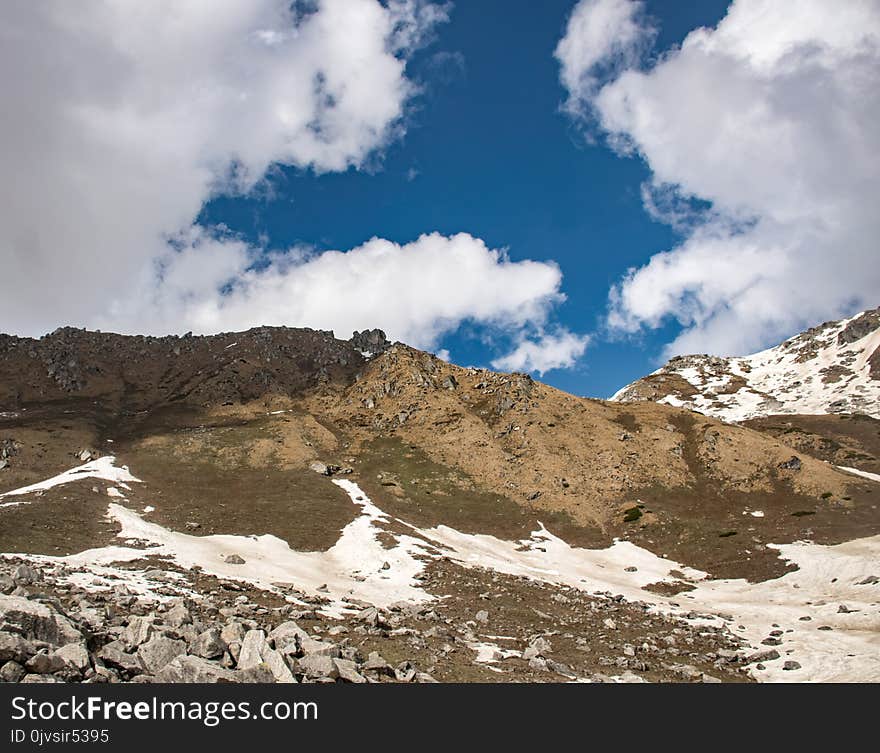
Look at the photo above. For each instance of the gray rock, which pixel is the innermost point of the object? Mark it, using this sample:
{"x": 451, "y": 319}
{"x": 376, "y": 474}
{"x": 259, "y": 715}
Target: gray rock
{"x": 253, "y": 647}
{"x": 277, "y": 666}
{"x": 482, "y": 616}
{"x": 375, "y": 663}
{"x": 15, "y": 648}
{"x": 114, "y": 655}
{"x": 178, "y": 615}
{"x": 371, "y": 617}
{"x": 25, "y": 575}
{"x": 538, "y": 663}
{"x": 792, "y": 464}
{"x": 347, "y": 671}
{"x": 370, "y": 341}
{"x": 232, "y": 632}
{"x": 209, "y": 644}
{"x": 287, "y": 637}
{"x": 315, "y": 666}
{"x": 194, "y": 669}
{"x": 12, "y": 671}
{"x": 7, "y": 585}
{"x": 44, "y": 663}
{"x": 159, "y": 651}
{"x": 234, "y": 559}
{"x": 791, "y": 665}
{"x": 762, "y": 656}
{"x": 36, "y": 622}
{"x": 35, "y": 679}
{"x": 405, "y": 672}
{"x": 139, "y": 630}
{"x": 538, "y": 647}
{"x": 73, "y": 656}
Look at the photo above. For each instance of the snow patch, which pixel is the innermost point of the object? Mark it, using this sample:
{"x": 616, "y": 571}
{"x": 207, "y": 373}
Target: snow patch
{"x": 857, "y": 472}
{"x": 102, "y": 468}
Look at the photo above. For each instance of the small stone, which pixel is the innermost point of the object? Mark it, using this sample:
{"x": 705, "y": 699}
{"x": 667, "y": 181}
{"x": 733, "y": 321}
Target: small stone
{"x": 790, "y": 665}
{"x": 482, "y": 616}
{"x": 233, "y": 559}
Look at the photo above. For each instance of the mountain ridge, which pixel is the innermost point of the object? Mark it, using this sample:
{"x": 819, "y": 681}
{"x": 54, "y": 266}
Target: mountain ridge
{"x": 831, "y": 368}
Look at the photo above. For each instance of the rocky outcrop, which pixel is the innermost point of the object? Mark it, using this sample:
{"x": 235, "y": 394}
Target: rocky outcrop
{"x": 136, "y": 372}
{"x": 371, "y": 341}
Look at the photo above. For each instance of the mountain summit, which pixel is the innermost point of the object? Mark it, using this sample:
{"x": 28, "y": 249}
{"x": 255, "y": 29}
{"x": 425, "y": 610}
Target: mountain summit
{"x": 832, "y": 368}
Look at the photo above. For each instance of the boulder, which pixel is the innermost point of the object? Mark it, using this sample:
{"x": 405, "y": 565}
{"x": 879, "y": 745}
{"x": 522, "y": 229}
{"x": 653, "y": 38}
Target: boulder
{"x": 114, "y": 655}
{"x": 347, "y": 671}
{"x": 25, "y": 575}
{"x": 32, "y": 679}
{"x": 35, "y": 621}
{"x": 375, "y": 663}
{"x": 159, "y": 651}
{"x": 138, "y": 631}
{"x": 178, "y": 615}
{"x": 208, "y": 644}
{"x": 538, "y": 647}
{"x": 44, "y": 663}
{"x": 253, "y": 646}
{"x": 12, "y": 671}
{"x": 15, "y": 648}
{"x": 317, "y": 667}
{"x": 73, "y": 656}
{"x": 194, "y": 669}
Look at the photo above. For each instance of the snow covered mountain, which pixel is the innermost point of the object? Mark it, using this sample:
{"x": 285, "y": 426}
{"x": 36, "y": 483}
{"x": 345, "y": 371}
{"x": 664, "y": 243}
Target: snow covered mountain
{"x": 832, "y": 368}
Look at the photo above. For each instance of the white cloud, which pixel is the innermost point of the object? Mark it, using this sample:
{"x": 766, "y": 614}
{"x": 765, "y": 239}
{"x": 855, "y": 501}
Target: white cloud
{"x": 772, "y": 118}
{"x": 416, "y": 292}
{"x": 548, "y": 352}
{"x": 120, "y": 119}
{"x": 601, "y": 36}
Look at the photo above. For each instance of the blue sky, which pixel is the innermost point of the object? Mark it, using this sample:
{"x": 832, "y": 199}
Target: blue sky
{"x": 493, "y": 155}
{"x": 690, "y": 177}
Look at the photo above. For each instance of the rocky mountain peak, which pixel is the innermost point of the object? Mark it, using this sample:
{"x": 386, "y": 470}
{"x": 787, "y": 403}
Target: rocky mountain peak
{"x": 832, "y": 368}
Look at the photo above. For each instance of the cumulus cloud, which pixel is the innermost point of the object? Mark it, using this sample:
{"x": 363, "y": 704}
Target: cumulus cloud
{"x": 559, "y": 350}
{"x": 770, "y": 119}
{"x": 416, "y": 292}
{"x": 121, "y": 119}
{"x": 601, "y": 37}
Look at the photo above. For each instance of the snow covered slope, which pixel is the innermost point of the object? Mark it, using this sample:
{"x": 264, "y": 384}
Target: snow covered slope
{"x": 832, "y": 368}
